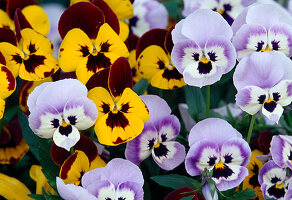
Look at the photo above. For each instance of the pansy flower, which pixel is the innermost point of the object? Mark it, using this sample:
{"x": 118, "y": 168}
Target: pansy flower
{"x": 219, "y": 148}
{"x": 154, "y": 62}
{"x": 122, "y": 113}
{"x": 157, "y": 137}
{"x": 263, "y": 82}
{"x": 149, "y": 14}
{"x": 204, "y": 55}
{"x": 229, "y": 9}
{"x": 270, "y": 32}
{"x": 89, "y": 48}
{"x": 59, "y": 110}
{"x": 274, "y": 181}
{"x": 119, "y": 179}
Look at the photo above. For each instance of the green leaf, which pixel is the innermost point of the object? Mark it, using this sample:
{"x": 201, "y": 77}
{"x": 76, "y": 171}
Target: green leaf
{"x": 141, "y": 86}
{"x": 242, "y": 195}
{"x": 37, "y": 196}
{"x": 188, "y": 198}
{"x": 195, "y": 101}
{"x": 212, "y": 186}
{"x": 175, "y": 181}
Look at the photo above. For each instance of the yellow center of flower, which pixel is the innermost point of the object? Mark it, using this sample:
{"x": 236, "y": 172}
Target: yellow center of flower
{"x": 279, "y": 186}
{"x": 269, "y": 100}
{"x": 157, "y": 145}
{"x": 64, "y": 124}
{"x": 221, "y": 11}
{"x": 267, "y": 49}
{"x": 219, "y": 165}
{"x": 204, "y": 60}
{"x": 95, "y": 50}
{"x": 115, "y": 108}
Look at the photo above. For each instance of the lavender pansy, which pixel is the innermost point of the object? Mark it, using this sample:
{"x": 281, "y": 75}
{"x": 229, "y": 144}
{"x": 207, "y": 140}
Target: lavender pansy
{"x": 148, "y": 14}
{"x": 216, "y": 146}
{"x": 157, "y": 137}
{"x": 204, "y": 55}
{"x": 263, "y": 82}
{"x": 281, "y": 150}
{"x": 274, "y": 181}
{"x": 119, "y": 179}
{"x": 59, "y": 110}
{"x": 270, "y": 32}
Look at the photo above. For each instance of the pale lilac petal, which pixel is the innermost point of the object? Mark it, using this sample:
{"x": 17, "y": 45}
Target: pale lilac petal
{"x": 60, "y": 92}
{"x": 168, "y": 128}
{"x": 283, "y": 90}
{"x": 235, "y": 151}
{"x": 189, "y": 122}
{"x": 281, "y": 151}
{"x": 80, "y": 112}
{"x": 33, "y": 96}
{"x": 250, "y": 38}
{"x": 239, "y": 21}
{"x": 289, "y": 192}
{"x": 237, "y": 176}
{"x": 157, "y": 107}
{"x": 207, "y": 192}
{"x": 202, "y": 155}
{"x": 157, "y": 15}
{"x": 104, "y": 190}
{"x": 140, "y": 147}
{"x": 251, "y": 99}
{"x": 176, "y": 34}
{"x": 44, "y": 120}
{"x": 208, "y": 24}
{"x": 66, "y": 137}
{"x": 72, "y": 192}
{"x": 169, "y": 155}
{"x": 212, "y": 129}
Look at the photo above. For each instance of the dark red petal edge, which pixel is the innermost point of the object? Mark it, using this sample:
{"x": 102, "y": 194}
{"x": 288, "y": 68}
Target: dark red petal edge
{"x": 12, "y": 5}
{"x": 132, "y": 41}
{"x": 83, "y": 15}
{"x": 168, "y": 44}
{"x": 109, "y": 15}
{"x": 20, "y": 23}
{"x": 152, "y": 37}
{"x": 7, "y": 35}
{"x": 99, "y": 79}
{"x": 120, "y": 77}
{"x": 2, "y": 59}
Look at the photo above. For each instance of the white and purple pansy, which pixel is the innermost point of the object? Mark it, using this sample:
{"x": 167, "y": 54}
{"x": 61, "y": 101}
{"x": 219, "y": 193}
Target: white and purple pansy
{"x": 204, "y": 55}
{"x": 118, "y": 180}
{"x": 281, "y": 150}
{"x": 264, "y": 82}
{"x": 270, "y": 32}
{"x": 274, "y": 181}
{"x": 216, "y": 146}
{"x": 59, "y": 110}
{"x": 157, "y": 137}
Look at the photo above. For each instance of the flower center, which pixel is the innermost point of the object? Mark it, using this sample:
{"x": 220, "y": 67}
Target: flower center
{"x": 64, "y": 124}
{"x": 157, "y": 145}
{"x": 95, "y": 50}
{"x": 219, "y": 165}
{"x": 115, "y": 108}
{"x": 204, "y": 60}
{"x": 266, "y": 49}
{"x": 279, "y": 186}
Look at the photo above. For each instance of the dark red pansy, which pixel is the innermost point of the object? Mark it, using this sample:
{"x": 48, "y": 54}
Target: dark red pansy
{"x": 110, "y": 17}
{"x": 152, "y": 37}
{"x": 7, "y": 35}
{"x": 83, "y": 15}
{"x": 168, "y": 44}
{"x": 99, "y": 79}
{"x": 85, "y": 144}
{"x": 12, "y": 5}
{"x": 184, "y": 192}
{"x": 132, "y": 41}
{"x": 2, "y": 59}
{"x": 20, "y": 22}
{"x": 120, "y": 77}
{"x": 264, "y": 141}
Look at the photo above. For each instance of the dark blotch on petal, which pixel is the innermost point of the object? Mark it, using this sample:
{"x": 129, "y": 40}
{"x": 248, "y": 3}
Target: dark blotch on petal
{"x": 222, "y": 172}
{"x": 261, "y": 99}
{"x": 100, "y": 61}
{"x": 55, "y": 123}
{"x": 275, "y": 180}
{"x": 270, "y": 106}
{"x": 33, "y": 62}
{"x": 275, "y": 192}
{"x": 212, "y": 160}
{"x": 172, "y": 74}
{"x": 104, "y": 47}
{"x": 17, "y": 58}
{"x": 290, "y": 156}
{"x": 254, "y": 179}
{"x": 151, "y": 143}
{"x": 260, "y": 45}
{"x": 84, "y": 50}
{"x": 117, "y": 120}
{"x": 105, "y": 107}
{"x": 196, "y": 56}
{"x": 205, "y": 68}
{"x": 72, "y": 120}
{"x": 119, "y": 141}
{"x": 228, "y": 158}
{"x": 275, "y": 45}
{"x": 133, "y": 21}
{"x": 161, "y": 64}
{"x": 163, "y": 138}
{"x": 276, "y": 96}
{"x": 161, "y": 151}
{"x": 32, "y": 48}
{"x": 125, "y": 107}
{"x": 65, "y": 130}
{"x": 212, "y": 56}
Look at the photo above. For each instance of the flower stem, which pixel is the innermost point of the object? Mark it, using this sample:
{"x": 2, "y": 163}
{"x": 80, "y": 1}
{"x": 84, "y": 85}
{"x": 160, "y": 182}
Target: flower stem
{"x": 72, "y": 150}
{"x": 207, "y": 101}
{"x": 252, "y": 120}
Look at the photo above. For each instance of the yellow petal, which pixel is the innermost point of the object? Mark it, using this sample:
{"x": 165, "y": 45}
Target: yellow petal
{"x": 13, "y": 189}
{"x": 75, "y": 46}
{"x": 74, "y": 167}
{"x": 5, "y": 21}
{"x": 38, "y": 176}
{"x": 167, "y": 79}
{"x": 97, "y": 163}
{"x": 37, "y": 18}
{"x": 7, "y": 82}
{"x": 133, "y": 63}
{"x": 10, "y": 155}
{"x": 124, "y": 30}
{"x": 122, "y": 8}
{"x": 13, "y": 57}
{"x": 2, "y": 108}
{"x": 76, "y": 1}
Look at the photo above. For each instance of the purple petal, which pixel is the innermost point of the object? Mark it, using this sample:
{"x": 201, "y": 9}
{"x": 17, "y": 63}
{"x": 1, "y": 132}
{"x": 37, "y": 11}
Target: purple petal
{"x": 201, "y": 155}
{"x": 212, "y": 129}
{"x": 157, "y": 107}
{"x": 235, "y": 151}
{"x": 157, "y": 15}
{"x": 32, "y": 98}
{"x": 208, "y": 24}
{"x": 239, "y": 21}
{"x": 102, "y": 190}
{"x": 262, "y": 69}
{"x": 270, "y": 170}
{"x": 72, "y": 192}
{"x": 281, "y": 150}
{"x": 140, "y": 147}
{"x": 44, "y": 120}
{"x": 168, "y": 128}
{"x": 57, "y": 94}
{"x": 169, "y": 155}
{"x": 80, "y": 112}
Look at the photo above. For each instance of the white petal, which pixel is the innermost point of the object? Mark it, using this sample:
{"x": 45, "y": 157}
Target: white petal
{"x": 66, "y": 139}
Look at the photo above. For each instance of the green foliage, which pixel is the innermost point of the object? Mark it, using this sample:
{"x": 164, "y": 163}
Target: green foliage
{"x": 176, "y": 181}
{"x": 237, "y": 195}
{"x": 141, "y": 86}
{"x": 195, "y": 101}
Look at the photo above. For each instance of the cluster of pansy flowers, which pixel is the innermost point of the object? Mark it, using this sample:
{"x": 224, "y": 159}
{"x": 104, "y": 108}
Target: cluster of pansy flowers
{"x": 109, "y": 45}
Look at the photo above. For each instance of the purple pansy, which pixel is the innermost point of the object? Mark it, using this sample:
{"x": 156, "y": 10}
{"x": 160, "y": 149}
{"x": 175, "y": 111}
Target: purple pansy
{"x": 229, "y": 9}
{"x": 264, "y": 81}
{"x": 59, "y": 109}
{"x": 157, "y": 137}
{"x": 270, "y": 32}
{"x": 148, "y": 14}
{"x": 274, "y": 181}
{"x": 281, "y": 150}
{"x": 202, "y": 49}
{"x": 118, "y": 180}
{"x": 216, "y": 146}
